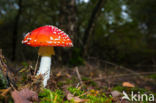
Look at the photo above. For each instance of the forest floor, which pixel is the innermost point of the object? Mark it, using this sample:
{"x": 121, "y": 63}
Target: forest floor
{"x": 90, "y": 83}
{"x": 111, "y": 81}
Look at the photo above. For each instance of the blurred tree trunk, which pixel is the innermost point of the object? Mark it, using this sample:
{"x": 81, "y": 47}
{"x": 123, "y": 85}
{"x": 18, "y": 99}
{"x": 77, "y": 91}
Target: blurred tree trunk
{"x": 15, "y": 30}
{"x": 94, "y": 15}
{"x": 68, "y": 21}
{"x": 68, "y": 17}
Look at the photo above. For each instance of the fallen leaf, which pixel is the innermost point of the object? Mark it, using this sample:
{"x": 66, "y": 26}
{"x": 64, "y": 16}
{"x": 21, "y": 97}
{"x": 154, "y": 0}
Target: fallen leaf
{"x": 24, "y": 96}
{"x": 116, "y": 93}
{"x": 127, "y": 84}
{"x": 75, "y": 98}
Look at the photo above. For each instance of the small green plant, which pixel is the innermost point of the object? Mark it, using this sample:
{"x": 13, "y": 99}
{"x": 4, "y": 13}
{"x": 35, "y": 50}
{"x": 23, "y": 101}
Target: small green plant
{"x": 48, "y": 96}
{"x": 76, "y": 91}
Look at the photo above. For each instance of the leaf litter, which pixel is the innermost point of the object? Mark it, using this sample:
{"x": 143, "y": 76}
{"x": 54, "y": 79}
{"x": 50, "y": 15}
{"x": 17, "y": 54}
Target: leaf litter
{"x": 97, "y": 83}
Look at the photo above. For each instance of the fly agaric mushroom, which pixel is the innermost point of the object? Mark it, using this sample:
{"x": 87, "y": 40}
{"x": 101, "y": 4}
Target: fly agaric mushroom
{"x": 46, "y": 37}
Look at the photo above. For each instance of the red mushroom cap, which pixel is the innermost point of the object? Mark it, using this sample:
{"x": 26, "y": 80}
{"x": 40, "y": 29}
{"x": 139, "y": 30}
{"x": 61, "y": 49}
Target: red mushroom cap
{"x": 47, "y": 36}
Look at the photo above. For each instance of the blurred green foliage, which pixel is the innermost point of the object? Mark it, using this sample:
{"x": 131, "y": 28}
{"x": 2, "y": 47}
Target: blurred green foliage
{"x": 123, "y": 32}
{"x": 153, "y": 76}
{"x": 3, "y": 81}
{"x": 76, "y": 57}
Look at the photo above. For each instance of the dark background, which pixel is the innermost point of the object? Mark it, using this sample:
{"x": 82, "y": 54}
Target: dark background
{"x": 119, "y": 31}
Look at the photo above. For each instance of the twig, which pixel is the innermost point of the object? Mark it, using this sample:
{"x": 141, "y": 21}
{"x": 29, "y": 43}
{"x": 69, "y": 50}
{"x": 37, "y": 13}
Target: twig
{"x": 12, "y": 86}
{"x": 4, "y": 68}
{"x": 6, "y": 91}
{"x": 36, "y": 65}
{"x": 77, "y": 85}
{"x": 124, "y": 75}
{"x": 78, "y": 75}
{"x": 120, "y": 67}
{"x": 84, "y": 94}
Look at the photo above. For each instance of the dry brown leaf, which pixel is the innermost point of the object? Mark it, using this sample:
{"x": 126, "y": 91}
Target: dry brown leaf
{"x": 91, "y": 74}
{"x": 127, "y": 84}
{"x": 68, "y": 75}
{"x": 59, "y": 74}
{"x": 24, "y": 96}
{"x": 75, "y": 98}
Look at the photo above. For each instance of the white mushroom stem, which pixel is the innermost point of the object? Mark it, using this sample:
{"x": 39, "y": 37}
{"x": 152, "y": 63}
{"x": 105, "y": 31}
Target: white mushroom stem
{"x": 44, "y": 68}
{"x": 45, "y": 64}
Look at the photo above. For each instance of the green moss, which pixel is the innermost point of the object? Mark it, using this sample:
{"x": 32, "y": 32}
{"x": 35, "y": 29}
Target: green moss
{"x": 76, "y": 91}
{"x": 89, "y": 81}
{"x": 153, "y": 76}
{"x": 135, "y": 90}
{"x": 60, "y": 84}
{"x": 48, "y": 96}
